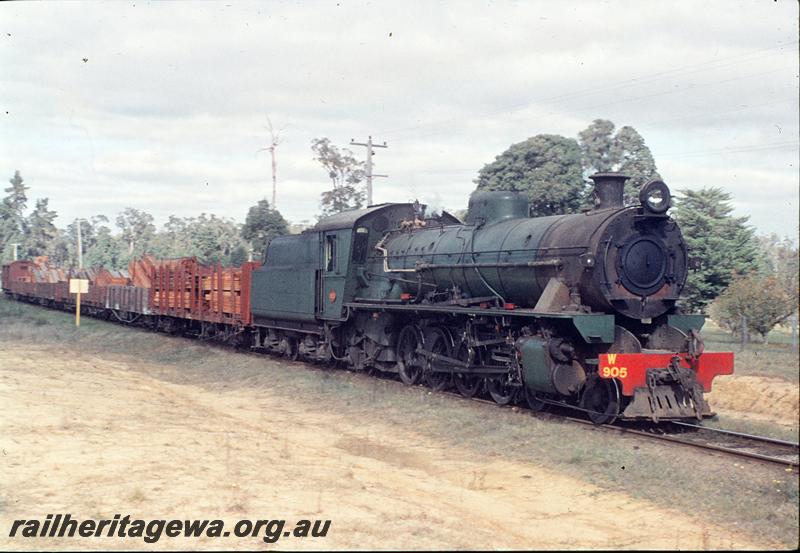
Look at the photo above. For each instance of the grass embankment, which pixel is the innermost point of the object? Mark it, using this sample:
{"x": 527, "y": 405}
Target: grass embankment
{"x": 758, "y": 499}
{"x": 777, "y": 362}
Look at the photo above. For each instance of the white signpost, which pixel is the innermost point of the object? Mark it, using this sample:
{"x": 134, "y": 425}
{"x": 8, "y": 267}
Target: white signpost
{"x": 78, "y": 286}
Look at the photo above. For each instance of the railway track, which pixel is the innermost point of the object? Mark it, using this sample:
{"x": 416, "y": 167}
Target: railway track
{"x": 736, "y": 444}
{"x": 759, "y": 448}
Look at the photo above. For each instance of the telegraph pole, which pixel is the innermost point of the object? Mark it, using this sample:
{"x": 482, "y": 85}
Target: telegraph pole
{"x": 369, "y": 145}
{"x": 15, "y": 245}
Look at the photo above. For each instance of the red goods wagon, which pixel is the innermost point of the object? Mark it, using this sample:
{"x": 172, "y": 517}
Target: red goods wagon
{"x": 96, "y": 297}
{"x": 86, "y": 274}
{"x": 24, "y": 288}
{"x": 140, "y": 271}
{"x": 17, "y": 271}
{"x": 106, "y": 277}
{"x": 128, "y": 298}
{"x": 61, "y": 292}
{"x": 45, "y": 290}
{"x": 44, "y": 271}
{"x": 185, "y": 289}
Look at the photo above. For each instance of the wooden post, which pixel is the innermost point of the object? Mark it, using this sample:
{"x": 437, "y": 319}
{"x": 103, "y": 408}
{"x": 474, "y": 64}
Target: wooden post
{"x": 78, "y": 286}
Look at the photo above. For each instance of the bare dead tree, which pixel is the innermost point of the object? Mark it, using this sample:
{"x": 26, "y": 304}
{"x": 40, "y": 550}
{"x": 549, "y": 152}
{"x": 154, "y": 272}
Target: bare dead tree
{"x": 274, "y": 142}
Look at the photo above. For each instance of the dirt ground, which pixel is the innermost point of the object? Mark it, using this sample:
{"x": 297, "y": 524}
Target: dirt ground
{"x": 766, "y": 398}
{"x": 87, "y": 434}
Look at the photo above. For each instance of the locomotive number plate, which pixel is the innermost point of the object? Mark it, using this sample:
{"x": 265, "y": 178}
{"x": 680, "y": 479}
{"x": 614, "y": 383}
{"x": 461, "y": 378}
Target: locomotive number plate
{"x": 614, "y": 372}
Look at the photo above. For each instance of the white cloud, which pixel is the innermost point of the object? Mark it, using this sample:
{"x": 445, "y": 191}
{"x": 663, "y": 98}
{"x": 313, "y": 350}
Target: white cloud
{"x": 174, "y": 95}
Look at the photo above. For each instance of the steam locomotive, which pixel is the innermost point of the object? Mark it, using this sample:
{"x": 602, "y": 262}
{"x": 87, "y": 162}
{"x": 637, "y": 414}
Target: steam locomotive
{"x": 576, "y": 310}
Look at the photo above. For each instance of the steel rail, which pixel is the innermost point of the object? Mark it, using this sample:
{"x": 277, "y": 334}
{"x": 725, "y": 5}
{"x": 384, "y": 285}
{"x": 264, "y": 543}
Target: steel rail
{"x": 713, "y": 447}
{"x": 665, "y": 437}
{"x": 739, "y": 434}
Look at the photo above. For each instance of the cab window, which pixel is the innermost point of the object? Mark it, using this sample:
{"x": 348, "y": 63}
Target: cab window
{"x": 360, "y": 242}
{"x": 330, "y": 253}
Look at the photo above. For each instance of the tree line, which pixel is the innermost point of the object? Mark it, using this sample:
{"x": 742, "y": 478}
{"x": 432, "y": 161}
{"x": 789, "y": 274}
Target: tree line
{"x": 210, "y": 238}
{"x": 748, "y": 282}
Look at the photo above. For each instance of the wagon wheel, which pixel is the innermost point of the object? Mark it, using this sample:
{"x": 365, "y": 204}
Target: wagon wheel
{"x": 409, "y": 365}
{"x": 437, "y": 340}
{"x": 466, "y": 384}
{"x": 501, "y": 393}
{"x": 289, "y": 348}
{"x": 601, "y": 400}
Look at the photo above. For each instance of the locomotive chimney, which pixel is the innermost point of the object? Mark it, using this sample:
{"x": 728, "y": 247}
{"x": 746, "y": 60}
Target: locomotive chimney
{"x": 608, "y": 189}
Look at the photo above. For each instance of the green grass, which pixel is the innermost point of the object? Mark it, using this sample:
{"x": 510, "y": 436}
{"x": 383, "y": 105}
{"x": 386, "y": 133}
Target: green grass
{"x": 759, "y": 499}
{"x": 780, "y": 336}
{"x": 776, "y": 359}
{"x": 756, "y": 427}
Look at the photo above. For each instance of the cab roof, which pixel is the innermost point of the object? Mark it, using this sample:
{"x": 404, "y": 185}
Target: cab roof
{"x": 350, "y": 219}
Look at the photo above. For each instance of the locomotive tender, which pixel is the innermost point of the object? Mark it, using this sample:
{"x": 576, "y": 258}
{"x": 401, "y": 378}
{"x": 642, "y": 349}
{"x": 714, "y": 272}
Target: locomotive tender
{"x": 576, "y": 309}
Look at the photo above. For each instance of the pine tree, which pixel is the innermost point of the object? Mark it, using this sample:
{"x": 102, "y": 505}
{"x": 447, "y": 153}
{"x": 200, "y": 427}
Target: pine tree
{"x": 546, "y": 166}
{"x": 724, "y": 244}
{"x": 12, "y": 219}
{"x": 41, "y": 232}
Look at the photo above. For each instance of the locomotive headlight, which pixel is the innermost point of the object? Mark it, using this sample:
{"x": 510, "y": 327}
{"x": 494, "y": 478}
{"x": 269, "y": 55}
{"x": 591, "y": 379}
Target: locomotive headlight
{"x": 655, "y": 196}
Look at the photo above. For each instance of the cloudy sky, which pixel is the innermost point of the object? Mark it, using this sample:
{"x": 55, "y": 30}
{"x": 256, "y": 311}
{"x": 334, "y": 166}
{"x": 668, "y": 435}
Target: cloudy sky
{"x": 163, "y": 106}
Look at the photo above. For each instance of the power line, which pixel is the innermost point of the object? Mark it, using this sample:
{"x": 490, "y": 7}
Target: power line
{"x": 635, "y": 98}
{"x": 742, "y": 149}
{"x": 691, "y": 87}
{"x": 616, "y": 85}
{"x": 714, "y": 113}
